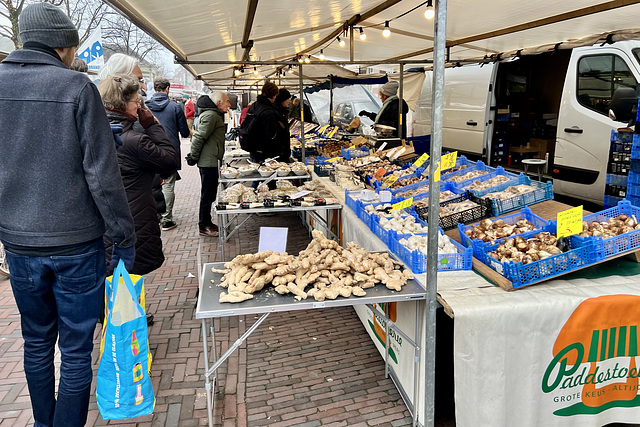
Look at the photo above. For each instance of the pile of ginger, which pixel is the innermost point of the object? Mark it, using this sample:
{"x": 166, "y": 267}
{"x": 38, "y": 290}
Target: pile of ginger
{"x": 324, "y": 270}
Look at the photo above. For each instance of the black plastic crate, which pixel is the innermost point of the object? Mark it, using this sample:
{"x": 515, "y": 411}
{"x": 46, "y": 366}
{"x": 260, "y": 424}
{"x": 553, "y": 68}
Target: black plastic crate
{"x": 620, "y": 168}
{"x": 483, "y": 210}
{"x": 615, "y": 190}
{"x": 323, "y": 170}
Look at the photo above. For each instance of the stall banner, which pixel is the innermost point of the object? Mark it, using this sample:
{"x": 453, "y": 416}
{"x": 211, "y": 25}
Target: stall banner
{"x": 91, "y": 51}
{"x": 574, "y": 363}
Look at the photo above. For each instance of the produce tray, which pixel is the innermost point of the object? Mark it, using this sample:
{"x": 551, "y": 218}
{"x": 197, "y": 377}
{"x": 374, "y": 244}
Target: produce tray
{"x": 526, "y": 274}
{"x": 384, "y": 234}
{"x": 478, "y": 166}
{"x": 618, "y": 244}
{"x": 543, "y": 192}
{"x": 417, "y": 261}
{"x": 444, "y": 186}
{"x": 447, "y": 222}
{"x": 478, "y": 245}
{"x": 499, "y": 171}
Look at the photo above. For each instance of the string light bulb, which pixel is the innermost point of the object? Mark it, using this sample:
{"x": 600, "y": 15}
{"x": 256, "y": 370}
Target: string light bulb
{"x": 430, "y": 12}
{"x": 255, "y": 71}
{"x": 300, "y": 59}
{"x": 307, "y": 59}
{"x": 363, "y": 36}
{"x": 340, "y": 41}
{"x": 387, "y": 31}
{"x": 236, "y": 72}
{"x": 321, "y": 56}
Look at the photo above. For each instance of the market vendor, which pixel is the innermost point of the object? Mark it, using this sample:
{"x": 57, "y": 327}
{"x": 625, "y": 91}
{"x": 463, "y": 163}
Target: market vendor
{"x": 388, "y": 114}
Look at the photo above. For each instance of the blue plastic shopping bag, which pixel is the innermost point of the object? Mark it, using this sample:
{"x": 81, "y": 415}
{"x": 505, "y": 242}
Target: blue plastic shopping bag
{"x": 124, "y": 388}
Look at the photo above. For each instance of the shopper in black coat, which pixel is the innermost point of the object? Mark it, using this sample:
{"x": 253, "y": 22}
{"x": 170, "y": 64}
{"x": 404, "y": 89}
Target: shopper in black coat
{"x": 283, "y": 143}
{"x": 269, "y": 124}
{"x": 141, "y": 156}
{"x": 388, "y": 114}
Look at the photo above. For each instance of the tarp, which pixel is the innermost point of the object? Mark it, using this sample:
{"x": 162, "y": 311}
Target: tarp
{"x": 338, "y": 81}
{"x": 197, "y": 30}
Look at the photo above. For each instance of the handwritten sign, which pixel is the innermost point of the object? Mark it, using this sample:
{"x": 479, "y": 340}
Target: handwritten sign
{"x": 403, "y": 204}
{"x": 333, "y": 159}
{"x": 421, "y": 160}
{"x": 353, "y": 147}
{"x": 449, "y": 160}
{"x": 390, "y": 181}
{"x": 379, "y": 174}
{"x": 569, "y": 222}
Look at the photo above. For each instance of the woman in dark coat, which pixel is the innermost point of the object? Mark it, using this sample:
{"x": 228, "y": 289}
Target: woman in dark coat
{"x": 283, "y": 140}
{"x": 141, "y": 156}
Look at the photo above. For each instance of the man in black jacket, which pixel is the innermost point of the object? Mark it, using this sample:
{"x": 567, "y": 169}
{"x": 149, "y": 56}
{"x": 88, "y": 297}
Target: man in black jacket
{"x": 388, "y": 114}
{"x": 268, "y": 123}
{"x": 173, "y": 120}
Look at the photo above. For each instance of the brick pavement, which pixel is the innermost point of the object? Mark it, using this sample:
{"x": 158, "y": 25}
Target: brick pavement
{"x": 304, "y": 368}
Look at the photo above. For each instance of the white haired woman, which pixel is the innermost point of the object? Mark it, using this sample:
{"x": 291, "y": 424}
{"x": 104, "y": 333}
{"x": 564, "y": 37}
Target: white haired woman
{"x": 207, "y": 149}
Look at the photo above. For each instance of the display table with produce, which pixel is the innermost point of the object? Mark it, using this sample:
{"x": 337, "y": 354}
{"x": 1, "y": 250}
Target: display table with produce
{"x": 332, "y": 269}
{"x": 510, "y": 346}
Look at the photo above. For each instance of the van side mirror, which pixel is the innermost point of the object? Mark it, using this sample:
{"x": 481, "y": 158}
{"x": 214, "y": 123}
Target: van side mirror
{"x": 623, "y": 107}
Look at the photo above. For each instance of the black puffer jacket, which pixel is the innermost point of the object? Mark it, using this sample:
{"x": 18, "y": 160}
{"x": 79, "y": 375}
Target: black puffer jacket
{"x": 270, "y": 128}
{"x": 141, "y": 157}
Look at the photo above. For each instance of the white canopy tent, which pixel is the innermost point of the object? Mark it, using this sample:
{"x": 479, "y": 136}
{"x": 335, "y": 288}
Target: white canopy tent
{"x": 207, "y": 35}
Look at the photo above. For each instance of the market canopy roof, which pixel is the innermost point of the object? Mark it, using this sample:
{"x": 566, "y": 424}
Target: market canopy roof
{"x": 201, "y": 32}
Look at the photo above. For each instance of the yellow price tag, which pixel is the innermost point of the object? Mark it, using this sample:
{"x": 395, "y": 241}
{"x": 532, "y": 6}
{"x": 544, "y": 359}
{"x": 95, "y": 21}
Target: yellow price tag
{"x": 333, "y": 159}
{"x": 323, "y": 128}
{"x": 333, "y": 131}
{"x": 569, "y": 222}
{"x": 421, "y": 160}
{"x": 353, "y": 147}
{"x": 390, "y": 180}
{"x": 449, "y": 160}
{"x": 403, "y": 204}
{"x": 436, "y": 174}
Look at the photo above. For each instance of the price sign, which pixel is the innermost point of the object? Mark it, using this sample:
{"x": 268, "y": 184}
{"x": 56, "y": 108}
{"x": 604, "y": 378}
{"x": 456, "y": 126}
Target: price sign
{"x": 379, "y": 174}
{"x": 569, "y": 222}
{"x": 299, "y": 194}
{"x": 403, "y": 204}
{"x": 333, "y": 131}
{"x": 421, "y": 160}
{"x": 436, "y": 174}
{"x": 353, "y": 147}
{"x": 333, "y": 159}
{"x": 449, "y": 160}
{"x": 390, "y": 181}
{"x": 398, "y": 153}
{"x": 322, "y": 129}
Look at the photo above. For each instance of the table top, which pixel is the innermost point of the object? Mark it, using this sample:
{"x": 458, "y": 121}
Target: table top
{"x": 534, "y": 161}
{"x": 275, "y": 210}
{"x": 269, "y": 301}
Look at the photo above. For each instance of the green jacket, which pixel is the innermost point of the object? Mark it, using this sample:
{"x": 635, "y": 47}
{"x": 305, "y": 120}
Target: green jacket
{"x": 207, "y": 144}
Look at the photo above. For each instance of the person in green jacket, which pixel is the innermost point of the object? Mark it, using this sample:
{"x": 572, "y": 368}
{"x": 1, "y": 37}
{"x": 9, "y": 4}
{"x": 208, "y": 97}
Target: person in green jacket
{"x": 207, "y": 149}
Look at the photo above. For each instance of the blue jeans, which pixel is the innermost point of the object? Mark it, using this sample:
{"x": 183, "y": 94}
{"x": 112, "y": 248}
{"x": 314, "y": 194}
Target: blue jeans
{"x": 59, "y": 298}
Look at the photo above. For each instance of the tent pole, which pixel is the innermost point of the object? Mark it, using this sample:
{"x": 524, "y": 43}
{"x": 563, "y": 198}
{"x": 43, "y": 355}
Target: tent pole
{"x": 301, "y": 112}
{"x": 331, "y": 100}
{"x": 351, "y": 45}
{"x": 439, "y": 46}
{"x": 400, "y": 98}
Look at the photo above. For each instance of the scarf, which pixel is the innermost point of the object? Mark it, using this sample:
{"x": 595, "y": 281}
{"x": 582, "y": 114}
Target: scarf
{"x": 384, "y": 105}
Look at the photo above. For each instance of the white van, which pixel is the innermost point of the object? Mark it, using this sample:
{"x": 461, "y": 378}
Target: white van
{"x": 553, "y": 105}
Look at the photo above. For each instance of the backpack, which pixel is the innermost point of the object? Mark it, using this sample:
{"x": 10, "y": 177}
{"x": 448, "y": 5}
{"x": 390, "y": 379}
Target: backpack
{"x": 247, "y": 133}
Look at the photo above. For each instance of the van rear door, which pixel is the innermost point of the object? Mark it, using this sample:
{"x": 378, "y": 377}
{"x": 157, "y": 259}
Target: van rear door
{"x": 466, "y": 95}
{"x": 584, "y": 126}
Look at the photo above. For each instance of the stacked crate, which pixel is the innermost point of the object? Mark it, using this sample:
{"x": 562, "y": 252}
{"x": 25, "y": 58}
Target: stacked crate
{"x": 618, "y": 167}
{"x": 633, "y": 181}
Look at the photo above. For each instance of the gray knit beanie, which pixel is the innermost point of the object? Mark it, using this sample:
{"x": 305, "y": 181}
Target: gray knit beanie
{"x": 390, "y": 88}
{"x": 47, "y": 24}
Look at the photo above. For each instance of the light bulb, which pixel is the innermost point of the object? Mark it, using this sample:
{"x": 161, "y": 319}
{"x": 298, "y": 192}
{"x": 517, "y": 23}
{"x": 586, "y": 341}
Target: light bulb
{"x": 340, "y": 42}
{"x": 321, "y": 56}
{"x": 387, "y": 31}
{"x": 236, "y": 72}
{"x": 255, "y": 71}
{"x": 429, "y": 13}
{"x": 300, "y": 59}
{"x": 307, "y": 59}
{"x": 363, "y": 36}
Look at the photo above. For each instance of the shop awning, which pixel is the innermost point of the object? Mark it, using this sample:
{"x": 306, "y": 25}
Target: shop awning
{"x": 201, "y": 32}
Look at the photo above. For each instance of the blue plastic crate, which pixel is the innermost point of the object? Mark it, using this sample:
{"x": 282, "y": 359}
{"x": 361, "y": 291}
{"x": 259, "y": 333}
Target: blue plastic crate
{"x": 382, "y": 233}
{"x": 421, "y": 143}
{"x": 524, "y": 274}
{"x": 635, "y": 165}
{"x": 354, "y": 153}
{"x": 633, "y": 184}
{"x": 417, "y": 261}
{"x": 514, "y": 179}
{"x": 461, "y": 161}
{"x": 634, "y": 200}
{"x": 635, "y": 152}
{"x": 351, "y": 201}
{"x": 323, "y": 170}
{"x": 615, "y": 179}
{"x": 621, "y": 136}
{"x": 478, "y": 245}
{"x": 544, "y": 191}
{"x": 617, "y": 244}
{"x": 611, "y": 201}
{"x": 444, "y": 186}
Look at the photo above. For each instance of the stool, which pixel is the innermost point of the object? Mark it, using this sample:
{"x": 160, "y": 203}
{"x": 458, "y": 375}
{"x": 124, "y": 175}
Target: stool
{"x": 539, "y": 163}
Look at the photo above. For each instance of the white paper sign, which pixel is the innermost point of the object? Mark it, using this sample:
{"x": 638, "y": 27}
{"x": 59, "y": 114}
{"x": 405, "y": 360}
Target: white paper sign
{"x": 299, "y": 194}
{"x": 274, "y": 238}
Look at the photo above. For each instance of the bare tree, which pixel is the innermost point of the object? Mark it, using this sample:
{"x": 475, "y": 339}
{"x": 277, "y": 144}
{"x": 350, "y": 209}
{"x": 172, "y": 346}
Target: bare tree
{"x": 123, "y": 36}
{"x": 85, "y": 14}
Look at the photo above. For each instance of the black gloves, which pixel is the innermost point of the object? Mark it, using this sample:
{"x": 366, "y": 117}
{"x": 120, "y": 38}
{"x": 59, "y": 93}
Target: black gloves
{"x": 190, "y": 160}
{"x": 362, "y": 113}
